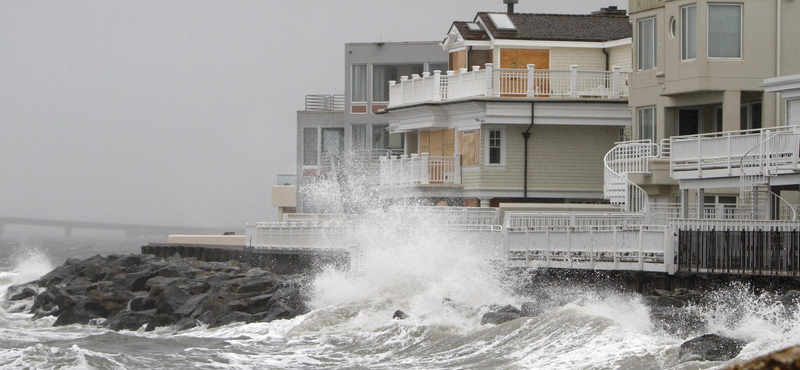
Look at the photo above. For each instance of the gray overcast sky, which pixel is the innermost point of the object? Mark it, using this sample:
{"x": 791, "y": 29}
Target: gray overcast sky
{"x": 181, "y": 112}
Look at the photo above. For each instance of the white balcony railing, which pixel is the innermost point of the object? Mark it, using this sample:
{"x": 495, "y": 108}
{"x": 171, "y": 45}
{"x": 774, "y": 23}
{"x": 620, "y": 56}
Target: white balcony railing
{"x": 494, "y": 82}
{"x": 325, "y": 102}
{"x": 420, "y": 170}
{"x": 722, "y": 152}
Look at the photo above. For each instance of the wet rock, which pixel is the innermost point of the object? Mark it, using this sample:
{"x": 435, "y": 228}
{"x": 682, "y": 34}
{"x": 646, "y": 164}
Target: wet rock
{"x": 71, "y": 261}
{"x": 255, "y": 285}
{"x": 230, "y": 319}
{"x": 44, "y": 302}
{"x": 192, "y": 307}
{"x": 677, "y": 321}
{"x": 710, "y": 347}
{"x": 172, "y": 271}
{"x": 172, "y": 298}
{"x": 142, "y": 304}
{"x": 20, "y": 292}
{"x": 74, "y": 316}
{"x": 186, "y": 324}
{"x": 790, "y": 298}
{"x": 785, "y": 359}
{"x": 106, "y": 303}
{"x": 161, "y": 320}
{"x": 501, "y": 315}
{"x": 126, "y": 320}
{"x": 281, "y": 310}
{"x": 134, "y": 281}
{"x": 57, "y": 275}
{"x": 92, "y": 268}
{"x": 78, "y": 285}
{"x": 157, "y": 284}
{"x": 399, "y": 315}
{"x": 129, "y": 260}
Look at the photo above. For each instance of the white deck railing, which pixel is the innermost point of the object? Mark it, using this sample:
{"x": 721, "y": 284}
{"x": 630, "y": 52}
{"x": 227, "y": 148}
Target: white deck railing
{"x": 624, "y": 159}
{"x": 451, "y": 215}
{"x": 495, "y": 82}
{"x": 420, "y": 170}
{"x": 325, "y": 102}
{"x": 722, "y": 152}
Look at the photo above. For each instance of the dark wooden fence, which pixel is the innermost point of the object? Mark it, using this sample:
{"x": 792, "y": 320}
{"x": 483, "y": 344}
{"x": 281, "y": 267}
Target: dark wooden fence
{"x": 770, "y": 252}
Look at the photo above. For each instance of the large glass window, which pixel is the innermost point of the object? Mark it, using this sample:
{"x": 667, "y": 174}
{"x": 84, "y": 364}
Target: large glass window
{"x": 647, "y": 43}
{"x": 359, "y": 137}
{"x": 647, "y": 124}
{"x": 333, "y": 141}
{"x": 359, "y": 83}
{"x": 689, "y": 32}
{"x": 793, "y": 112}
{"x": 724, "y": 31}
{"x": 495, "y": 147}
{"x": 382, "y": 74}
{"x": 310, "y": 156}
{"x": 382, "y": 139}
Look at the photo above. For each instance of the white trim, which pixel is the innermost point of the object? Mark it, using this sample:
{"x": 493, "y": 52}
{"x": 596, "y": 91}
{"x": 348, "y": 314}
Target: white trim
{"x": 561, "y": 44}
{"x": 741, "y": 31}
{"x": 782, "y": 83}
{"x": 655, "y": 123}
{"x": 455, "y": 50}
{"x": 487, "y": 138}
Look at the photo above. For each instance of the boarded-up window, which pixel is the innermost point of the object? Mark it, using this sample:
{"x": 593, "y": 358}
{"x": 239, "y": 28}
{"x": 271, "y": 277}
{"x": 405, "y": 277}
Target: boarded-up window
{"x": 469, "y": 147}
{"x": 520, "y": 58}
{"x": 437, "y": 143}
{"x": 458, "y": 60}
{"x": 480, "y": 58}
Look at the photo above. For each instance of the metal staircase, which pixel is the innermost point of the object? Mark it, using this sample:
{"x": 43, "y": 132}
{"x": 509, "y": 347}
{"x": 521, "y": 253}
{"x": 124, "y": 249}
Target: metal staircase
{"x": 624, "y": 159}
{"x": 776, "y": 154}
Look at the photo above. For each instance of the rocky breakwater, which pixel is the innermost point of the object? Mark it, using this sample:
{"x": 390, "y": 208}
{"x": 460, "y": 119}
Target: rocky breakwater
{"x": 131, "y": 291}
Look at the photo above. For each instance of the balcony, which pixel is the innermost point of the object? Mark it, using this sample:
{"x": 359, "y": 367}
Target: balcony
{"x": 420, "y": 169}
{"x": 722, "y": 154}
{"x": 513, "y": 83}
{"x": 325, "y": 102}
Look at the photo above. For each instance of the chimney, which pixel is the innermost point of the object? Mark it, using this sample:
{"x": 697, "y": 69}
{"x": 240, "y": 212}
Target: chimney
{"x": 510, "y": 4}
{"x": 610, "y": 11}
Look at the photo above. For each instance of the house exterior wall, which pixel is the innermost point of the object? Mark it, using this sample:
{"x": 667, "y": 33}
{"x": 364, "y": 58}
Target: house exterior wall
{"x": 676, "y": 83}
{"x": 587, "y": 59}
{"x": 561, "y": 158}
{"x": 620, "y": 56}
{"x": 319, "y": 120}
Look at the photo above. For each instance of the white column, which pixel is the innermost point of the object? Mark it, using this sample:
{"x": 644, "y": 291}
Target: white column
{"x": 425, "y": 172}
{"x": 437, "y": 85}
{"x": 573, "y": 81}
{"x": 403, "y": 82}
{"x": 701, "y": 194}
{"x": 426, "y": 80}
{"x": 393, "y": 97}
{"x": 615, "y": 83}
{"x": 531, "y": 82}
{"x": 457, "y": 169}
{"x": 485, "y": 202}
{"x": 489, "y": 73}
{"x": 685, "y": 203}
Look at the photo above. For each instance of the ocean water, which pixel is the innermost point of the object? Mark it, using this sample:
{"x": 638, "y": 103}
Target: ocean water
{"x": 350, "y": 324}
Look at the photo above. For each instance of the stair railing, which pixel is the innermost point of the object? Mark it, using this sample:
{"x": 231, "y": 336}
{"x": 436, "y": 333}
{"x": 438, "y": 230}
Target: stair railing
{"x": 626, "y": 158}
{"x": 758, "y": 165}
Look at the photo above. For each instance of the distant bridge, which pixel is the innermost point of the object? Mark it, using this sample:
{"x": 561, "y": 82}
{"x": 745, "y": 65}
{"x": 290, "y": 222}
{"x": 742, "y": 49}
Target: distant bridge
{"x": 129, "y": 229}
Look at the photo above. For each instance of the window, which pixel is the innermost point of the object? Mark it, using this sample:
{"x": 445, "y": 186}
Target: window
{"x": 647, "y": 44}
{"x": 310, "y": 146}
{"x": 750, "y": 116}
{"x": 359, "y": 137}
{"x": 502, "y": 22}
{"x": 689, "y": 32}
{"x": 793, "y": 112}
{"x": 382, "y": 74}
{"x": 495, "y": 153}
{"x": 359, "y": 92}
{"x": 718, "y": 118}
{"x": 647, "y": 124}
{"x": 724, "y": 31}
{"x": 333, "y": 141}
{"x": 380, "y": 139}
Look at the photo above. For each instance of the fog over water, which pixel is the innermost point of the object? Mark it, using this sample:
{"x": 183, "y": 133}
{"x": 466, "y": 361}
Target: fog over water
{"x": 180, "y": 112}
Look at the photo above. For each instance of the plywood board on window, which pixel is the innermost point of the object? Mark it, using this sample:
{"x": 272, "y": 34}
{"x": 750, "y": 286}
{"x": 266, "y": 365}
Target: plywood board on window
{"x": 458, "y": 60}
{"x": 424, "y": 142}
{"x": 520, "y": 58}
{"x": 448, "y": 142}
{"x": 480, "y": 58}
{"x": 436, "y": 143}
{"x": 467, "y": 147}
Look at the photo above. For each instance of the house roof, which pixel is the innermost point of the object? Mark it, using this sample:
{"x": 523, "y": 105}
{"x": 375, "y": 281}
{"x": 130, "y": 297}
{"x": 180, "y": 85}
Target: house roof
{"x": 558, "y": 27}
{"x": 468, "y": 34}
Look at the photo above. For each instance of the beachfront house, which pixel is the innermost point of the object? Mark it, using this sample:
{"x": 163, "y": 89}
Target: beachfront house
{"x": 719, "y": 141}
{"x": 525, "y": 110}
{"x": 340, "y": 135}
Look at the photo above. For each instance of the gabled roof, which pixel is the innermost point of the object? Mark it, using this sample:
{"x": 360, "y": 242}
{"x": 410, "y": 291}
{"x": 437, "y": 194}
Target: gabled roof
{"x": 559, "y": 27}
{"x": 468, "y": 34}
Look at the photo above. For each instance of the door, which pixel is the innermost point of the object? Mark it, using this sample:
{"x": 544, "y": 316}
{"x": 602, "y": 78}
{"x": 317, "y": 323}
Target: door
{"x": 688, "y": 121}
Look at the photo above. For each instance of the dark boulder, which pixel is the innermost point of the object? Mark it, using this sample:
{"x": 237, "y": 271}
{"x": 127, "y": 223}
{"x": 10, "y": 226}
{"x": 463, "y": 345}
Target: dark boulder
{"x": 44, "y": 302}
{"x": 161, "y": 320}
{"x": 255, "y": 285}
{"x": 171, "y": 299}
{"x": 126, "y": 320}
{"x": 107, "y": 303}
{"x": 785, "y": 359}
{"x": 710, "y": 347}
{"x": 142, "y": 304}
{"x": 187, "y": 323}
{"x": 92, "y": 268}
{"x": 231, "y": 318}
{"x": 71, "y": 261}
{"x": 399, "y": 315}
{"x": 134, "y": 281}
{"x": 281, "y": 310}
{"x": 57, "y": 275}
{"x": 129, "y": 261}
{"x": 78, "y": 285}
{"x": 173, "y": 271}
{"x": 157, "y": 284}
{"x": 192, "y": 307}
{"x": 501, "y": 315}
{"x": 20, "y": 292}
{"x": 531, "y": 309}
{"x": 76, "y": 315}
